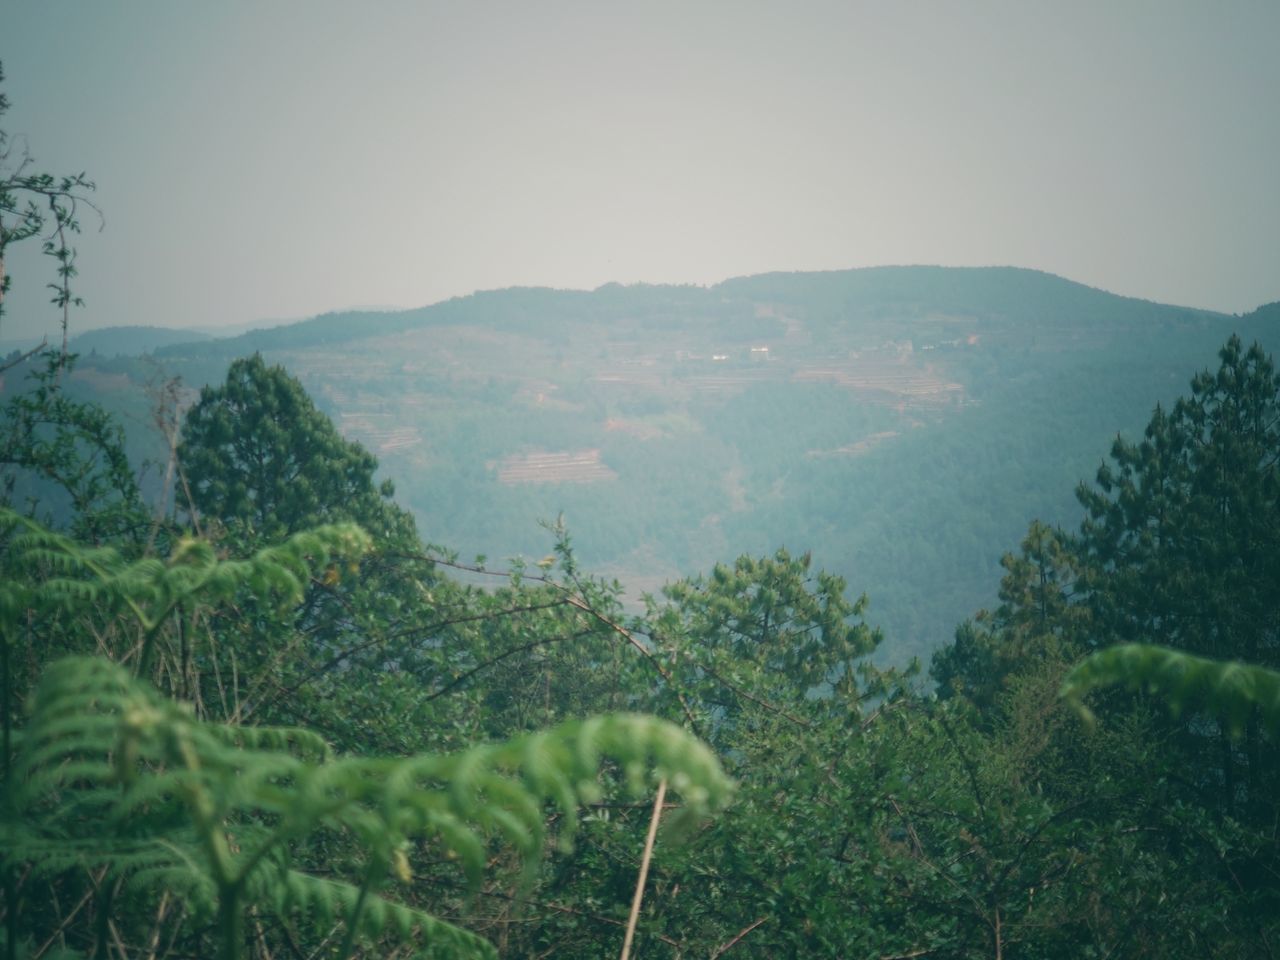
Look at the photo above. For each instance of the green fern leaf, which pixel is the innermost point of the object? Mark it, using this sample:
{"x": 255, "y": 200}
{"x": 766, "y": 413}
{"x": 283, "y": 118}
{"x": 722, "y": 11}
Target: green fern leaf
{"x": 1229, "y": 689}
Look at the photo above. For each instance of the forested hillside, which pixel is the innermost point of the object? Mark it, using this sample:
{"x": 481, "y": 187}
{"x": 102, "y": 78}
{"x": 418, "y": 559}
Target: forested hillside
{"x": 270, "y": 720}
{"x": 897, "y": 422}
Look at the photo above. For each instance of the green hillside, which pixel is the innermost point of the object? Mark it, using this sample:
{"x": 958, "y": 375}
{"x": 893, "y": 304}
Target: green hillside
{"x": 131, "y": 341}
{"x": 902, "y": 423}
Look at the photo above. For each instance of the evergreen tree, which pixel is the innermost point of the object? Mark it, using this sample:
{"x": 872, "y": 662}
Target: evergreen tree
{"x": 1182, "y": 540}
{"x": 1037, "y": 622}
{"x": 770, "y": 626}
{"x": 1181, "y": 546}
{"x": 261, "y": 459}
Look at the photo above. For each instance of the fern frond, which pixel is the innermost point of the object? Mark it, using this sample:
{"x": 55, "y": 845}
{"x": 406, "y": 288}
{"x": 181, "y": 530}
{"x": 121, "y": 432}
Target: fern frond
{"x": 332, "y": 900}
{"x": 298, "y": 741}
{"x": 1229, "y": 689}
{"x": 114, "y": 773}
{"x": 84, "y": 576}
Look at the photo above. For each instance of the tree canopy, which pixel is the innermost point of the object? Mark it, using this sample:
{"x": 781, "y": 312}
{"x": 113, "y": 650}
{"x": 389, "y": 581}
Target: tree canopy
{"x": 258, "y": 455}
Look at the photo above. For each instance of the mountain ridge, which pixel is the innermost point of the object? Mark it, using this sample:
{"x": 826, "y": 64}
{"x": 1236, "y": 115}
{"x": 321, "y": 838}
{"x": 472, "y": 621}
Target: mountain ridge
{"x": 904, "y": 282}
{"x": 904, "y": 424}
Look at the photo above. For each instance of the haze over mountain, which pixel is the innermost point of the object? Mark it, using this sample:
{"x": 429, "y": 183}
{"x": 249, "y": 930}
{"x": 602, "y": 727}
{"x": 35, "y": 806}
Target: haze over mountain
{"x": 904, "y": 424}
{"x": 281, "y": 161}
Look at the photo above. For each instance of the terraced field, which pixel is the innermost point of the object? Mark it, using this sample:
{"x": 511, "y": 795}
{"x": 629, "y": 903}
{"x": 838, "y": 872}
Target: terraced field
{"x": 581, "y": 466}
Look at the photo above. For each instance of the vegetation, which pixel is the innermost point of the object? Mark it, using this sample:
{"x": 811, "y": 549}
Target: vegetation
{"x": 36, "y": 205}
{"x": 904, "y": 423}
{"x": 258, "y": 716}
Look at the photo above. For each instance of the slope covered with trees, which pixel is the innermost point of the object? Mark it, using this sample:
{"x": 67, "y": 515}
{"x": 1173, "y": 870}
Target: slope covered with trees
{"x": 894, "y": 422}
{"x": 869, "y": 817}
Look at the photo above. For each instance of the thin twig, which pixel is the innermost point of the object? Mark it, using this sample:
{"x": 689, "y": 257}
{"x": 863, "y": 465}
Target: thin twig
{"x": 62, "y": 926}
{"x": 758, "y": 701}
{"x": 648, "y": 654}
{"x": 522, "y": 648}
{"x": 561, "y": 908}
{"x": 726, "y": 947}
{"x": 26, "y": 356}
{"x": 644, "y": 869}
{"x": 348, "y": 652}
{"x": 576, "y": 601}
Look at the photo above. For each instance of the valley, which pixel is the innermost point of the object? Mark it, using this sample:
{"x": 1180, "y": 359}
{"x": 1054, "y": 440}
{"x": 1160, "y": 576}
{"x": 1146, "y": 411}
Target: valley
{"x": 896, "y": 422}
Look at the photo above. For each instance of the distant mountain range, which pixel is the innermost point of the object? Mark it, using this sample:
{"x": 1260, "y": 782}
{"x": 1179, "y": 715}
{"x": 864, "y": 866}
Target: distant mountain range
{"x": 903, "y": 423}
{"x": 131, "y": 341}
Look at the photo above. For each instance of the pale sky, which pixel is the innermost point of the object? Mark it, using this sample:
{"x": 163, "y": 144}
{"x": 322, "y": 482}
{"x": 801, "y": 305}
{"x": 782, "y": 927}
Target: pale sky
{"x": 261, "y": 160}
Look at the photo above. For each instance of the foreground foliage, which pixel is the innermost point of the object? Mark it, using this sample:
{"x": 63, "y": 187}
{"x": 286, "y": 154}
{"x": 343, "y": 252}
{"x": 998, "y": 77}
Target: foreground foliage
{"x": 125, "y": 787}
{"x": 869, "y": 819}
{"x": 1236, "y": 692}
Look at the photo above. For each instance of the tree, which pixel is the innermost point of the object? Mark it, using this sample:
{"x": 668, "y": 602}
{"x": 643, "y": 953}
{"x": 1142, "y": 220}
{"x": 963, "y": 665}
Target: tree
{"x": 38, "y": 205}
{"x": 1038, "y": 620}
{"x": 764, "y": 636}
{"x": 1181, "y": 545}
{"x": 1182, "y": 536}
{"x": 66, "y": 459}
{"x": 765, "y": 658}
{"x": 262, "y": 460}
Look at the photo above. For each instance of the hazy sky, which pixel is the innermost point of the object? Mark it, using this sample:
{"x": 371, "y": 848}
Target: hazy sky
{"x": 263, "y": 160}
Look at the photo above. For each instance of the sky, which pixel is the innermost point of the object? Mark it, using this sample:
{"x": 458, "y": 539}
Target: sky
{"x": 260, "y": 161}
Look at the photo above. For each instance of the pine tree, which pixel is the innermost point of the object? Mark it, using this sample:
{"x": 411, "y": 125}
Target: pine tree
{"x": 1181, "y": 545}
{"x": 1037, "y": 621}
{"x": 262, "y": 460}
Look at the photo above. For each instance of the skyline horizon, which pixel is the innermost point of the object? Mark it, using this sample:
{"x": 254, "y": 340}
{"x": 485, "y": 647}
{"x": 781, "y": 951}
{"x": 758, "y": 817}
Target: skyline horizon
{"x": 264, "y": 323}
{"x": 270, "y": 162}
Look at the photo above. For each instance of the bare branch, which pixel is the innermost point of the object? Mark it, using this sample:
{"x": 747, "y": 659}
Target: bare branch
{"x": 733, "y": 942}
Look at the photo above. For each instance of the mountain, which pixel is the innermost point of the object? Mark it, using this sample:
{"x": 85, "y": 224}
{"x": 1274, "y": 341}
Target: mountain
{"x": 905, "y": 424}
{"x": 131, "y": 341}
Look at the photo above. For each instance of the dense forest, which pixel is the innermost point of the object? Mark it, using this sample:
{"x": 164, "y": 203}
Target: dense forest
{"x": 251, "y": 710}
{"x": 899, "y": 424}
